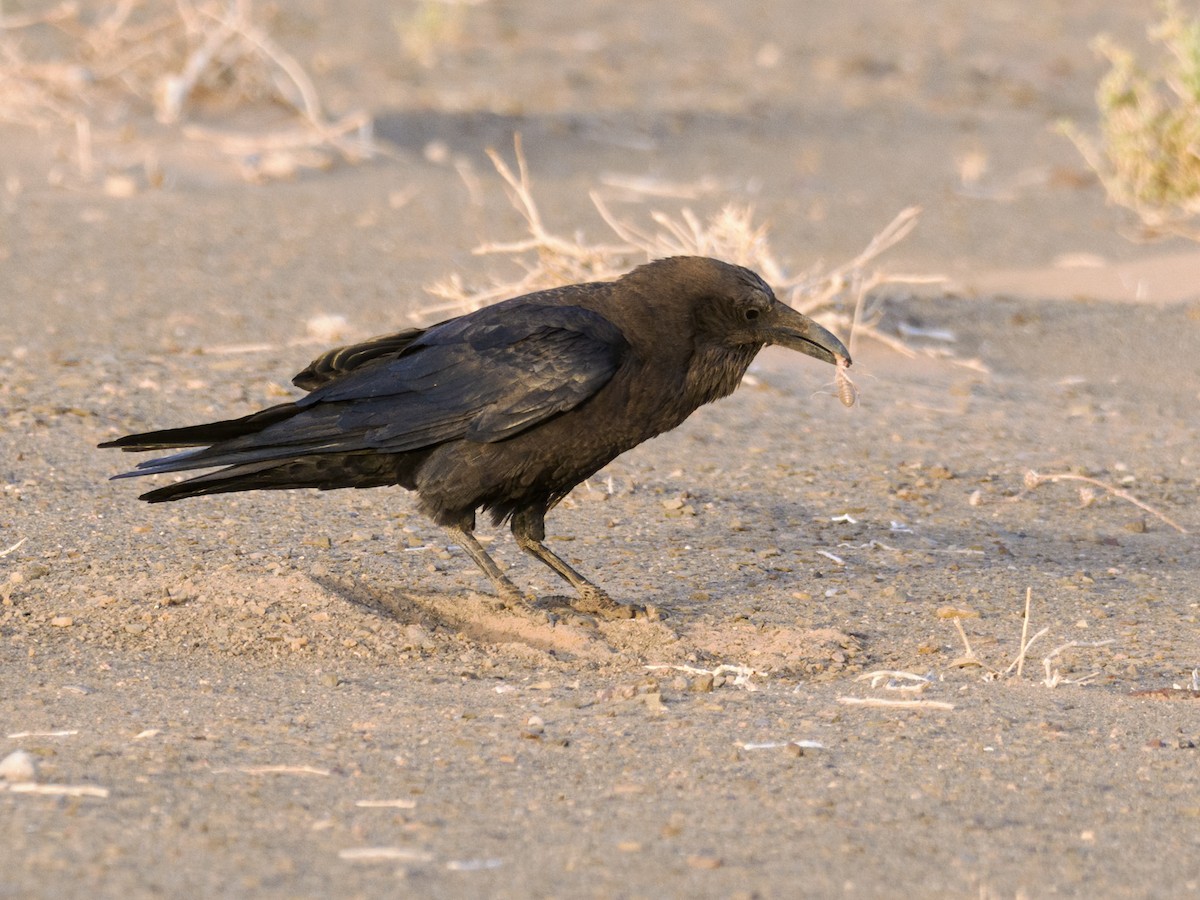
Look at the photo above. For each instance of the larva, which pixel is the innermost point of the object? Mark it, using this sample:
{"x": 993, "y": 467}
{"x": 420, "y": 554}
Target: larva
{"x": 847, "y": 392}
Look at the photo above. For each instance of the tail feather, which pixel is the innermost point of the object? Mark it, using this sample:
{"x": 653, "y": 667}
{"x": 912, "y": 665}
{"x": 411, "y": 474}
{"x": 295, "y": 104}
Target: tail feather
{"x": 235, "y": 442}
{"x": 204, "y": 435}
{"x": 274, "y": 449}
{"x": 358, "y": 470}
{"x": 224, "y": 455}
{"x": 235, "y": 478}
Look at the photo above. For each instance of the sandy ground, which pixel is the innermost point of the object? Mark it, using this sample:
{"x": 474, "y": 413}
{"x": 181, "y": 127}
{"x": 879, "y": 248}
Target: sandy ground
{"x": 310, "y": 695}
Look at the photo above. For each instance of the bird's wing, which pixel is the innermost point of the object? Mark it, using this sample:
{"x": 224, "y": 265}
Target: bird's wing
{"x": 333, "y": 364}
{"x": 485, "y": 378}
{"x": 481, "y": 377}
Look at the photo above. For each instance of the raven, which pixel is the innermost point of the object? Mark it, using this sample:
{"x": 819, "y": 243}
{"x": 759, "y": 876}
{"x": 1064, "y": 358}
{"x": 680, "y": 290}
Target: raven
{"x": 505, "y": 409}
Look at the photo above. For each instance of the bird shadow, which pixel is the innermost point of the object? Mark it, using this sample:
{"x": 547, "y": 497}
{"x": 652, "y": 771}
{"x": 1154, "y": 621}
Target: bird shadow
{"x": 381, "y": 602}
{"x": 554, "y": 142}
{"x": 479, "y": 618}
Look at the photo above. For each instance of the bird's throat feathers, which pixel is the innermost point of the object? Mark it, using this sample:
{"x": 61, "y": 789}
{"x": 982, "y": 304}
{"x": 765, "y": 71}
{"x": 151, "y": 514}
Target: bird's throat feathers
{"x": 715, "y": 371}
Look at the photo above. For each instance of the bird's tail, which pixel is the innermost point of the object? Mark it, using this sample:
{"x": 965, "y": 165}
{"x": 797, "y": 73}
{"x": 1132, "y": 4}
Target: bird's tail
{"x": 262, "y": 437}
{"x": 326, "y": 473}
{"x": 203, "y": 435}
{"x": 232, "y": 443}
{"x": 264, "y": 451}
{"x": 250, "y": 477}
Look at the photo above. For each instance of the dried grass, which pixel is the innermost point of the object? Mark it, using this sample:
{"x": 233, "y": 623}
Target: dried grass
{"x": 94, "y": 68}
{"x": 274, "y": 770}
{"x": 839, "y": 296}
{"x": 1148, "y": 155}
{"x": 1015, "y": 670}
{"x": 896, "y": 680}
{"x": 1034, "y": 480}
{"x": 881, "y": 703}
{"x": 56, "y": 790}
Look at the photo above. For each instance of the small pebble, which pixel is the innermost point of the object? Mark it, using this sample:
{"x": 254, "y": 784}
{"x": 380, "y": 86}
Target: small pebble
{"x": 702, "y": 684}
{"x": 327, "y": 328}
{"x": 18, "y": 766}
{"x": 418, "y": 637}
{"x": 654, "y": 702}
{"x": 122, "y": 186}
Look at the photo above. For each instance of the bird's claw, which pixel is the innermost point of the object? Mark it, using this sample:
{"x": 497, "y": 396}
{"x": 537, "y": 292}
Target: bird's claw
{"x": 596, "y": 602}
{"x": 592, "y": 603}
{"x": 521, "y": 604}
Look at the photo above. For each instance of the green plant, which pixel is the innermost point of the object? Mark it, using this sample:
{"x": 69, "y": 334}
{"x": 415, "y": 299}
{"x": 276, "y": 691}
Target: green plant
{"x": 1149, "y": 155}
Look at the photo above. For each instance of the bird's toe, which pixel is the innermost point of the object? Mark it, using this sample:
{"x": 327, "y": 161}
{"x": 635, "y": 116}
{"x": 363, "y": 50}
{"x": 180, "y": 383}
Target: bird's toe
{"x": 523, "y": 605}
{"x": 652, "y": 613}
{"x": 593, "y": 601}
{"x": 516, "y": 601}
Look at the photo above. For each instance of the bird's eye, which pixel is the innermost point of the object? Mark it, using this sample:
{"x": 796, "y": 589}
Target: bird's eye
{"x": 751, "y": 314}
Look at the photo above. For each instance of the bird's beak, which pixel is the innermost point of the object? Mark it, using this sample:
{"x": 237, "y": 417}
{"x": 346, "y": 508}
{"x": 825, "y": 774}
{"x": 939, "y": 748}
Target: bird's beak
{"x": 798, "y": 332}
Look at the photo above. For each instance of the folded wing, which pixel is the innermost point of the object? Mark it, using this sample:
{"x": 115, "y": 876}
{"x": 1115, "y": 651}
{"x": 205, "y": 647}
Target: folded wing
{"x": 484, "y": 378}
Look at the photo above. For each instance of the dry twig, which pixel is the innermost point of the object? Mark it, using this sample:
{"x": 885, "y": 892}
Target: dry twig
{"x": 386, "y": 804}
{"x": 166, "y": 57}
{"x": 838, "y": 295}
{"x": 893, "y": 680}
{"x": 895, "y": 704}
{"x": 1053, "y": 678}
{"x": 387, "y": 854}
{"x": 55, "y": 790}
{"x": 8, "y": 550}
{"x": 274, "y": 770}
{"x": 1034, "y": 480}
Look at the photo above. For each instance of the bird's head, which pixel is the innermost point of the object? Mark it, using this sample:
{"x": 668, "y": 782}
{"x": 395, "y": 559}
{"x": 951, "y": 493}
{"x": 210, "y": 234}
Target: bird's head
{"x": 733, "y": 306}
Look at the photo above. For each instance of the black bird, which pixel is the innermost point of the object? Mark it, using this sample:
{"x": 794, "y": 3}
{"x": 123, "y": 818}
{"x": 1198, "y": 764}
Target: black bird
{"x": 505, "y": 409}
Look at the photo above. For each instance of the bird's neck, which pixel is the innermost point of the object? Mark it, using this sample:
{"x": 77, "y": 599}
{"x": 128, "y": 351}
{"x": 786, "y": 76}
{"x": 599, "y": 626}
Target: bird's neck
{"x": 715, "y": 371}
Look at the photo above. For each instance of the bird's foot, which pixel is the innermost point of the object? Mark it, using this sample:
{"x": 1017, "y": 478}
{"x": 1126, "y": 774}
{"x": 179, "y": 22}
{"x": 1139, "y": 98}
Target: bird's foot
{"x": 596, "y": 602}
{"x": 522, "y": 604}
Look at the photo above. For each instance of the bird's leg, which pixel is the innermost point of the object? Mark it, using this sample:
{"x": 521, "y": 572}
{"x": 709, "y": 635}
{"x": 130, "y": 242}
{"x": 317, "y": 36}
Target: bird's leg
{"x": 463, "y": 535}
{"x": 529, "y": 528}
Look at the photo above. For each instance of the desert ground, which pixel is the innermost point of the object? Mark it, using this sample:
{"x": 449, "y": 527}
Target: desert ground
{"x": 309, "y": 694}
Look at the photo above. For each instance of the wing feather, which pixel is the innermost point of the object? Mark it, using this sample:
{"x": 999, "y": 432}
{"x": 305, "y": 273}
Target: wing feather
{"x": 337, "y": 362}
{"x": 484, "y": 377}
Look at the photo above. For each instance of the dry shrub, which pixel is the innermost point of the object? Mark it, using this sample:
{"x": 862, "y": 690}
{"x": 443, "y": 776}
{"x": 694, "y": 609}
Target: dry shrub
{"x": 96, "y": 67}
{"x": 1148, "y": 158}
{"x": 546, "y": 260}
{"x": 426, "y": 31}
